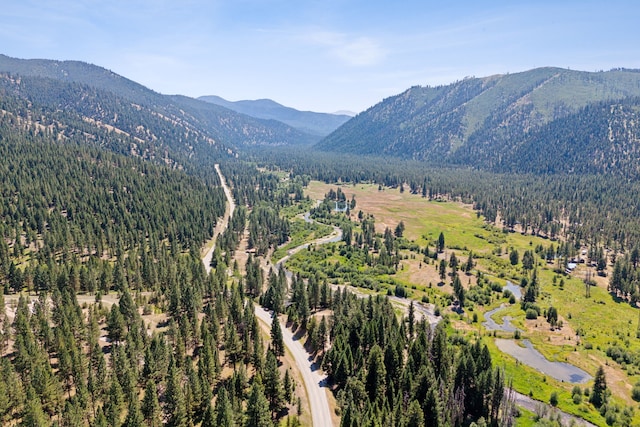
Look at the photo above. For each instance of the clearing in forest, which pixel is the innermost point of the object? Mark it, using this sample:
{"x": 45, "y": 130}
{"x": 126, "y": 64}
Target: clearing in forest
{"x": 594, "y": 323}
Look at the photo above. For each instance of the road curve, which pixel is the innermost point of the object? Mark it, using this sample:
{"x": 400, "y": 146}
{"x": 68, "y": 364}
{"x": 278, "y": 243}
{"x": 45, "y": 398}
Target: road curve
{"x": 222, "y": 225}
{"x": 313, "y": 381}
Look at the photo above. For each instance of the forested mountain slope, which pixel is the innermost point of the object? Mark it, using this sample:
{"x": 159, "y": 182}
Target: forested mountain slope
{"x": 318, "y": 124}
{"x": 67, "y": 200}
{"x": 491, "y": 122}
{"x": 217, "y": 124}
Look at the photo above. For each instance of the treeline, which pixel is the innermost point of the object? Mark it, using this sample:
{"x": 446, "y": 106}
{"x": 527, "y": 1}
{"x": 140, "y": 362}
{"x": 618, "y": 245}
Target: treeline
{"x": 584, "y": 209}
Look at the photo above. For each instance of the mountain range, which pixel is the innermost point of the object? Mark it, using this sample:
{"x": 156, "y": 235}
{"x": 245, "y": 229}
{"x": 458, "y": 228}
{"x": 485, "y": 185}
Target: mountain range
{"x": 542, "y": 120}
{"x": 317, "y": 124}
{"x": 80, "y": 97}
{"x": 546, "y": 120}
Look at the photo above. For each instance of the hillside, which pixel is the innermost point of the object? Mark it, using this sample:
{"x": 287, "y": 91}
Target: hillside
{"x": 318, "y": 124}
{"x": 489, "y": 122}
{"x": 195, "y": 119}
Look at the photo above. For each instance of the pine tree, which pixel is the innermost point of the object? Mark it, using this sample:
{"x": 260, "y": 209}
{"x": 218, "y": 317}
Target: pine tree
{"x": 134, "y": 416}
{"x": 288, "y": 386}
{"x": 258, "y": 414}
{"x": 415, "y": 416}
{"x": 277, "y": 340}
{"x": 440, "y": 244}
{"x": 114, "y": 406}
{"x": 209, "y": 417}
{"x": 100, "y": 420}
{"x": 175, "y": 402}
{"x": 33, "y": 413}
{"x": 116, "y": 325}
{"x": 443, "y": 270}
{"x": 273, "y": 384}
{"x": 224, "y": 413}
{"x": 150, "y": 405}
{"x": 376, "y": 375}
{"x": 599, "y": 393}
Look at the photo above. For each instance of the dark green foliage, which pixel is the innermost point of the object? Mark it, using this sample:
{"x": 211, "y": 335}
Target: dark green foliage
{"x": 150, "y": 406}
{"x": 599, "y": 393}
{"x": 440, "y": 244}
{"x": 223, "y": 410}
{"x": 266, "y": 229}
{"x": 258, "y": 413}
{"x": 513, "y": 257}
{"x": 528, "y": 260}
{"x": 552, "y": 316}
{"x": 277, "y": 342}
{"x": 273, "y": 384}
{"x": 434, "y": 372}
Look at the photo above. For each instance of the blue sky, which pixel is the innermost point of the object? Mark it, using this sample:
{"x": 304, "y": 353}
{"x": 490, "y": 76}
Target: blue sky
{"x": 324, "y": 55}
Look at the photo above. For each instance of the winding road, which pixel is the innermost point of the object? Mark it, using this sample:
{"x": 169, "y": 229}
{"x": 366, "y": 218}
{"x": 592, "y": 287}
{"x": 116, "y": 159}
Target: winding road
{"x": 313, "y": 381}
{"x": 312, "y": 377}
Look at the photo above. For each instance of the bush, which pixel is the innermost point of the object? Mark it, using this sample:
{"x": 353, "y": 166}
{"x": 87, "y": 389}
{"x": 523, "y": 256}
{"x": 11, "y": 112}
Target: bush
{"x": 401, "y": 292}
{"x": 553, "y": 400}
{"x": 577, "y": 398}
{"x": 531, "y": 314}
{"x": 635, "y": 392}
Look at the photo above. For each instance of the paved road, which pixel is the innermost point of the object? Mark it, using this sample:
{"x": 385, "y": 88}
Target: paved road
{"x": 313, "y": 381}
{"x": 222, "y": 225}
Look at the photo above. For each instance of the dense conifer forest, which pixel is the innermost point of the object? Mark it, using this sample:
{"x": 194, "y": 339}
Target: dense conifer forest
{"x": 108, "y": 316}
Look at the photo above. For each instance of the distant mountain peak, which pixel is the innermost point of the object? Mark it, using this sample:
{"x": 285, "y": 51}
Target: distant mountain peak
{"x": 94, "y": 93}
{"x": 345, "y": 113}
{"x": 318, "y": 124}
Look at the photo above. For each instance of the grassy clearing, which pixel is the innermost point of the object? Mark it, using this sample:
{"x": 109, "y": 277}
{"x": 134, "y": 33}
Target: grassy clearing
{"x": 301, "y": 232}
{"x": 591, "y": 324}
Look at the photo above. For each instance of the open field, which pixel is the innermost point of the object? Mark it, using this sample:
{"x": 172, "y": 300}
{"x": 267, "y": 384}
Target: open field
{"x": 590, "y": 324}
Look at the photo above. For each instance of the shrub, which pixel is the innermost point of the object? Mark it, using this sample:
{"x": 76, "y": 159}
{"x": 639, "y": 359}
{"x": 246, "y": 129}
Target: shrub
{"x": 553, "y": 400}
{"x": 635, "y": 392}
{"x": 531, "y": 314}
{"x": 401, "y": 291}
